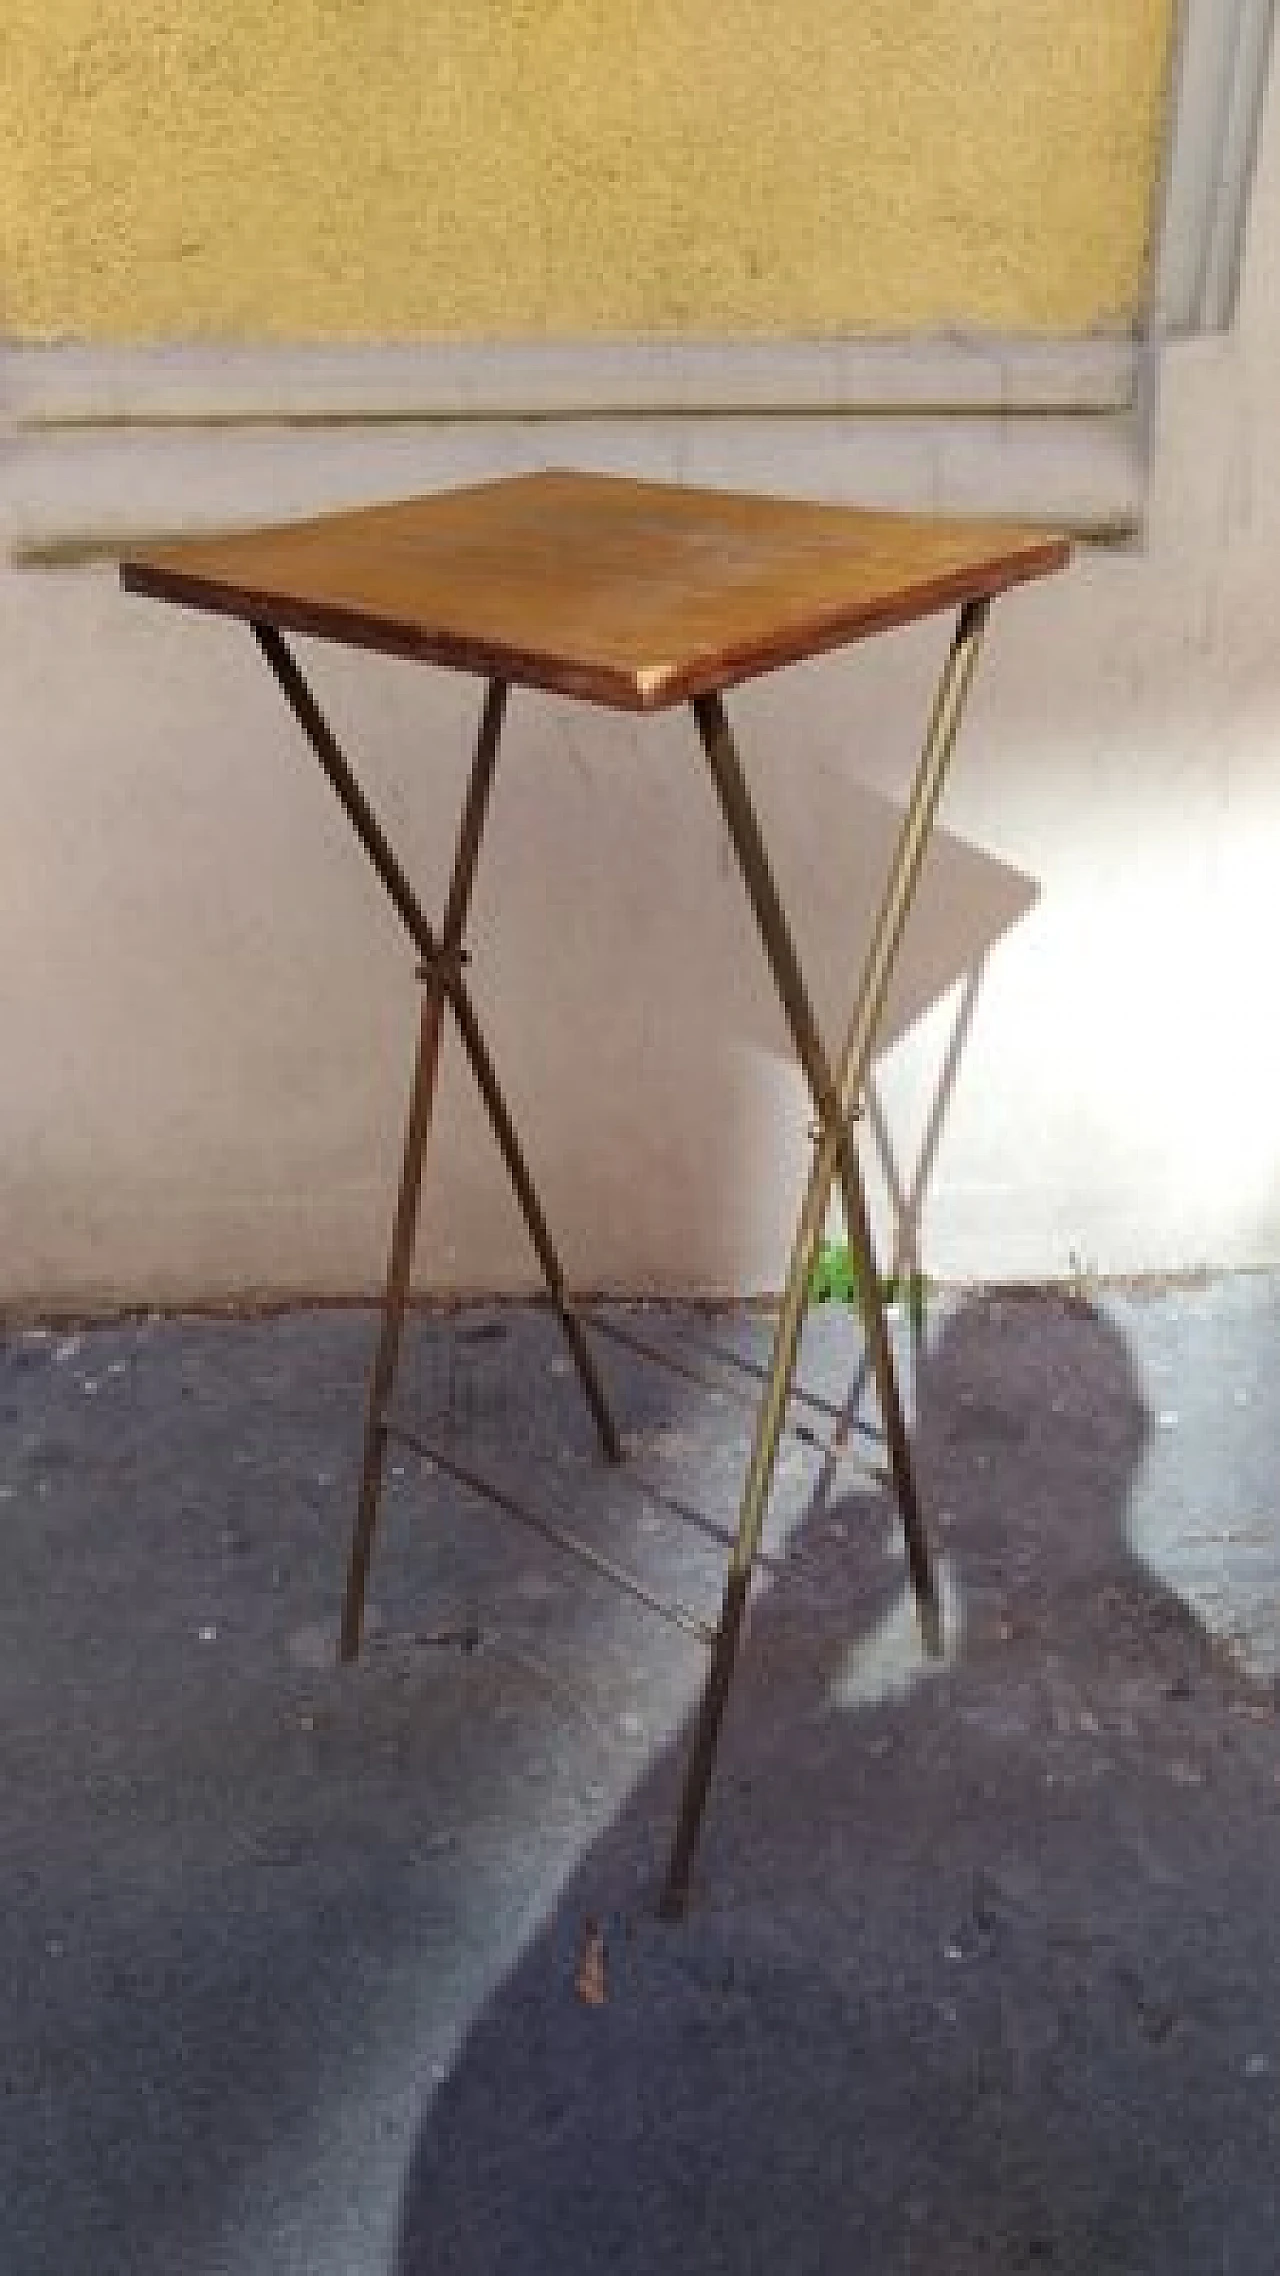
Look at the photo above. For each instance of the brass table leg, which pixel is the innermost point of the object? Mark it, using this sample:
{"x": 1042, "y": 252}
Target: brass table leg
{"x": 435, "y": 977}
{"x": 753, "y": 859}
{"x": 836, "y": 1096}
{"x": 443, "y": 976}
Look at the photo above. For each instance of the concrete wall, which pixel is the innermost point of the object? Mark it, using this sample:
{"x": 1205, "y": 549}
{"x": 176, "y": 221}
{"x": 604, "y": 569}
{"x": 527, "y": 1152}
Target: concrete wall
{"x": 401, "y": 168}
{"x": 206, "y": 1014}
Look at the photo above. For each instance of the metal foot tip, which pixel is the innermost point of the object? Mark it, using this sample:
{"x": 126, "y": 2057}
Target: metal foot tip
{"x": 673, "y": 1904}
{"x": 929, "y": 1614}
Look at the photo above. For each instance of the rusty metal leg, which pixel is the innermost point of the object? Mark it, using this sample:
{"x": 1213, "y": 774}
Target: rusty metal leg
{"x": 836, "y": 1097}
{"x": 374, "y": 841}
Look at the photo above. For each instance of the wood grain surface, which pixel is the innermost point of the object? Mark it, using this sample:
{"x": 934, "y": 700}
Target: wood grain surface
{"x": 631, "y": 594}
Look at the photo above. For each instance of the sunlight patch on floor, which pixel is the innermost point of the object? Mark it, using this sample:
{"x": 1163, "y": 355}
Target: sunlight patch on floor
{"x": 891, "y": 1661}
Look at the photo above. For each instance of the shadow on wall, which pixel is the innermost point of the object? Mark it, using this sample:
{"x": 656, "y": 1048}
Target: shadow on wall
{"x": 651, "y": 1079}
{"x": 699, "y": 1035}
{"x": 959, "y": 1948}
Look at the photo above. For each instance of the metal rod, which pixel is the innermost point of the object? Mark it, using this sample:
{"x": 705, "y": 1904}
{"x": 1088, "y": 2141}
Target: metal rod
{"x": 531, "y": 1209}
{"x": 570, "y": 1544}
{"x": 835, "y": 1411}
{"x": 471, "y": 827}
{"x": 359, "y": 813}
{"x": 690, "y": 1372}
{"x": 757, "y": 875}
{"x": 404, "y": 1231}
{"x": 940, "y": 736}
{"x": 907, "y": 1205}
{"x": 880, "y": 1350}
{"x": 646, "y": 1489}
{"x": 771, "y": 917}
{"x": 724, "y": 1652}
{"x": 695, "y": 1519}
{"x": 324, "y": 743}
{"x": 855, "y": 1063}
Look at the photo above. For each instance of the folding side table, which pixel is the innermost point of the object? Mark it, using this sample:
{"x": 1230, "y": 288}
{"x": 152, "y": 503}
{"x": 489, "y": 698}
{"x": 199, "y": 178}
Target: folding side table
{"x": 638, "y": 596}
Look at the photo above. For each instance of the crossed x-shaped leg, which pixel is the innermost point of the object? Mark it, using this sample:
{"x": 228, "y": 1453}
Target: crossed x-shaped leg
{"x": 836, "y": 1090}
{"x": 836, "y": 1093}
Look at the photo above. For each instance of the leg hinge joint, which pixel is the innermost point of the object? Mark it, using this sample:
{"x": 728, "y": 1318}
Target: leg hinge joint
{"x": 444, "y": 967}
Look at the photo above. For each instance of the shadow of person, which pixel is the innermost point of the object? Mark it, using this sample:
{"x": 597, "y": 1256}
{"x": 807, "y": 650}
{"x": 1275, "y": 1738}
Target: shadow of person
{"x": 979, "y": 1971}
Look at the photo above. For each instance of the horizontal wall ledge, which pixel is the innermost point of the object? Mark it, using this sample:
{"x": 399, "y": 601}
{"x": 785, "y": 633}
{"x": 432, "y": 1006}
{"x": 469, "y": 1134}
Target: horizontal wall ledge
{"x": 46, "y": 387}
{"x": 76, "y": 495}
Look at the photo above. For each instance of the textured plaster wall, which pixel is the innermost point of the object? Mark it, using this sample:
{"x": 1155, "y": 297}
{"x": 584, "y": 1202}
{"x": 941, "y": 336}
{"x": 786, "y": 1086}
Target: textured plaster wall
{"x": 397, "y": 168}
{"x": 206, "y": 1012}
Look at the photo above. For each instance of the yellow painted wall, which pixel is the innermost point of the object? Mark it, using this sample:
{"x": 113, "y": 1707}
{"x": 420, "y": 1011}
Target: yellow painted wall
{"x": 338, "y": 169}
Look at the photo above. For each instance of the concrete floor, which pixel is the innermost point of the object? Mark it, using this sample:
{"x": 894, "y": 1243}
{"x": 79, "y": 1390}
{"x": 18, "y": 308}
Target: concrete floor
{"x": 981, "y": 1971}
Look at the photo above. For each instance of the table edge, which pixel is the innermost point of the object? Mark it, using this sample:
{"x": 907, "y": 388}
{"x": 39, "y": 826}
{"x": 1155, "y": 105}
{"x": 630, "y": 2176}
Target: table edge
{"x": 652, "y": 689}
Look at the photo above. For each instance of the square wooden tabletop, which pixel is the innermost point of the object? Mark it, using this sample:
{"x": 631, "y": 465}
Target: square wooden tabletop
{"x": 631, "y": 594}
